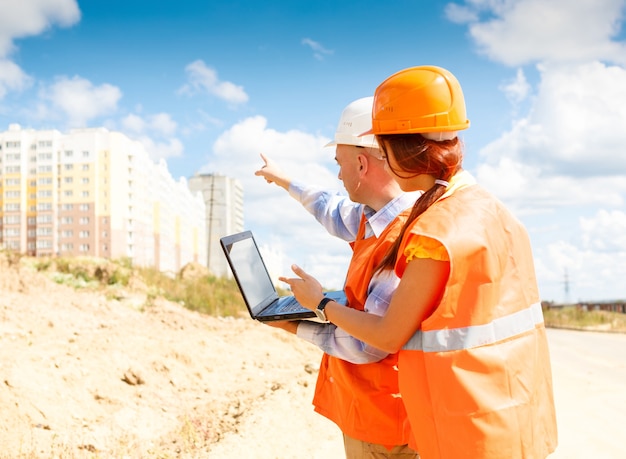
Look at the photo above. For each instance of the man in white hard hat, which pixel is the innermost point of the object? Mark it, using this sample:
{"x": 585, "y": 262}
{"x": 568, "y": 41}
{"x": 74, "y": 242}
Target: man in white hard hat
{"x": 357, "y": 386}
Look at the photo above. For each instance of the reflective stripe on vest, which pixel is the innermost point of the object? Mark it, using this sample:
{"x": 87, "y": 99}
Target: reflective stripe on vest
{"x": 497, "y": 330}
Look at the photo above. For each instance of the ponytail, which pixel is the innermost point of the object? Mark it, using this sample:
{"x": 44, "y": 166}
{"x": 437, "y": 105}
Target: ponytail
{"x": 420, "y": 206}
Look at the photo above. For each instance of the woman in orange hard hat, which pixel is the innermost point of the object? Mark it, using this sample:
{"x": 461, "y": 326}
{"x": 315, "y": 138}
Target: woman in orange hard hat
{"x": 466, "y": 318}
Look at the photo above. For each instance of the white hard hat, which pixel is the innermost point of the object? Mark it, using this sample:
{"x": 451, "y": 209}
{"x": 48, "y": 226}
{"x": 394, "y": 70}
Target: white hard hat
{"x": 355, "y": 119}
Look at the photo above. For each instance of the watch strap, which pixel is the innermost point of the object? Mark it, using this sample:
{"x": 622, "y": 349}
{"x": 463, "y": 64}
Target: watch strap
{"x": 323, "y": 303}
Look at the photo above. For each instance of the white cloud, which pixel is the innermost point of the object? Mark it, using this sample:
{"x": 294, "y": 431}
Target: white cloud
{"x": 163, "y": 123}
{"x": 606, "y": 232}
{"x": 166, "y": 148}
{"x": 134, "y": 123}
{"x": 204, "y": 79}
{"x": 318, "y": 50}
{"x": 527, "y": 31}
{"x": 460, "y": 14}
{"x": 156, "y": 133}
{"x": 80, "y": 100}
{"x": 276, "y": 218}
{"x": 24, "y": 18}
{"x": 568, "y": 151}
{"x": 12, "y": 77}
{"x": 576, "y": 124}
{"x": 589, "y": 267}
{"x": 518, "y": 89}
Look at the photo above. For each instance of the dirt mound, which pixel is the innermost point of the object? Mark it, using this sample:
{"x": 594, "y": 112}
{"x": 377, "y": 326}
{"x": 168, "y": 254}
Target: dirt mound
{"x": 193, "y": 271}
{"x": 85, "y": 374}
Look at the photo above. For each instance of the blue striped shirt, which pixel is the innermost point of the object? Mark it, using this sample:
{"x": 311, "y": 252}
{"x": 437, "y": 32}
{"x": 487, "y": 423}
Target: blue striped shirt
{"x": 341, "y": 217}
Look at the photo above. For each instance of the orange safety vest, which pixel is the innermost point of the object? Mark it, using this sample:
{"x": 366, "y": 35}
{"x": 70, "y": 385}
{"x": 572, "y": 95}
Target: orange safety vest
{"x": 363, "y": 399}
{"x": 476, "y": 378}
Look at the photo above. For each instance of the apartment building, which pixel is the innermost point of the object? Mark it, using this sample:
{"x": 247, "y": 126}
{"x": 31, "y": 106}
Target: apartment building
{"x": 223, "y": 198}
{"x": 97, "y": 193}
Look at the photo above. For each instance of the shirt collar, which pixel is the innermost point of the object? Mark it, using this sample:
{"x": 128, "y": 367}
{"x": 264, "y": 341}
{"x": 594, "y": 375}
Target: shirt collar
{"x": 378, "y": 221}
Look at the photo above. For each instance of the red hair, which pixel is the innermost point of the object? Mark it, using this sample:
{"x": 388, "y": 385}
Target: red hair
{"x": 416, "y": 155}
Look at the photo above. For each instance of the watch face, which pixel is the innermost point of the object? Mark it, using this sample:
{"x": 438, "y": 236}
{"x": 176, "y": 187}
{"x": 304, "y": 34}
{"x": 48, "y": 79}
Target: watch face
{"x": 320, "y": 314}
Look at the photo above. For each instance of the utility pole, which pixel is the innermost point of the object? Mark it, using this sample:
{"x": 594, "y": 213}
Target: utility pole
{"x": 566, "y": 286}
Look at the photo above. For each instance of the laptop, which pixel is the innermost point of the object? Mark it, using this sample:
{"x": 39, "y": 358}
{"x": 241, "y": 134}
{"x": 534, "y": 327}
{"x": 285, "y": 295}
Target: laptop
{"x": 256, "y": 286}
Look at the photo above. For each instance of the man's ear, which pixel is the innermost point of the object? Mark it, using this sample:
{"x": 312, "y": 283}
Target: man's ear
{"x": 362, "y": 163}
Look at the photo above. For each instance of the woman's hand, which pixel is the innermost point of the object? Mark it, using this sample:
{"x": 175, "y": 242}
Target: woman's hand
{"x": 306, "y": 289}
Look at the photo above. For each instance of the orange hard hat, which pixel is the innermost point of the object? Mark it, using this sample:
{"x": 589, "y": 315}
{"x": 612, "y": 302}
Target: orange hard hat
{"x": 425, "y": 100}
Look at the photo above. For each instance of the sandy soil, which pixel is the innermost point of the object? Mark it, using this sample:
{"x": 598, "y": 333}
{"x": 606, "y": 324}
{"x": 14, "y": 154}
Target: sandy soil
{"x": 87, "y": 376}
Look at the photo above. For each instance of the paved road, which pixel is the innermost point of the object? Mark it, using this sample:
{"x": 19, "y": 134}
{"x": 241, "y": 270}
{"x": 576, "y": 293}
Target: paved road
{"x": 589, "y": 372}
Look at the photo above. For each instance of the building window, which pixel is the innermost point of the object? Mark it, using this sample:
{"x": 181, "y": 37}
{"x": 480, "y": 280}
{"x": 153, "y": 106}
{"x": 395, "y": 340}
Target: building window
{"x": 83, "y": 207}
{"x": 84, "y": 248}
{"x": 68, "y": 179}
{"x": 84, "y": 220}
{"x": 67, "y": 207}
{"x": 69, "y": 153}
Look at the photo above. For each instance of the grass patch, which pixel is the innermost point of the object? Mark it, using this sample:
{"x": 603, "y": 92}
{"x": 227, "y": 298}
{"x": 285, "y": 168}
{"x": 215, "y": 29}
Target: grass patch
{"x": 578, "y": 318}
{"x": 197, "y": 291}
{"x": 207, "y": 294}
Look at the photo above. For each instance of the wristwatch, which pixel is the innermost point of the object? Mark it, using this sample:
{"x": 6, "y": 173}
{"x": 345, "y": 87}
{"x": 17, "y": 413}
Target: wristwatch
{"x": 319, "y": 311}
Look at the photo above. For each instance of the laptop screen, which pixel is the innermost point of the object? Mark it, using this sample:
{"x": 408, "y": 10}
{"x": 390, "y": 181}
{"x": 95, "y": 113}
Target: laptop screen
{"x": 254, "y": 280}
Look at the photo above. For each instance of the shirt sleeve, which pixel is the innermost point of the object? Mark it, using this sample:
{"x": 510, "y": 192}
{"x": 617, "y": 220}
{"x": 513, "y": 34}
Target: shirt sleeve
{"x": 418, "y": 246}
{"x": 336, "y": 342}
{"x": 336, "y": 212}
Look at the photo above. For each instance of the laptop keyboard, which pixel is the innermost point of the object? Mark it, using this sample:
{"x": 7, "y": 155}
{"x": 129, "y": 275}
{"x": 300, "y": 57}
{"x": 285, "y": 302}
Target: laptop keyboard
{"x": 290, "y": 305}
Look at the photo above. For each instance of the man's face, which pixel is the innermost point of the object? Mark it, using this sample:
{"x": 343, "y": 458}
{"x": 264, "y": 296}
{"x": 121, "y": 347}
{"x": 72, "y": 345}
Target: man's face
{"x": 347, "y": 157}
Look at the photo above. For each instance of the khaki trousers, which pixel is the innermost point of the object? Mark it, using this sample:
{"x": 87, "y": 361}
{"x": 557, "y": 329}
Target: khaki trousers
{"x": 357, "y": 449}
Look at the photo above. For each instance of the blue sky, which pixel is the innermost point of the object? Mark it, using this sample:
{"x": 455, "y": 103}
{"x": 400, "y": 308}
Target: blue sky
{"x": 209, "y": 85}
